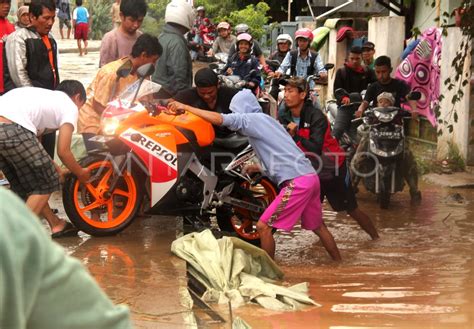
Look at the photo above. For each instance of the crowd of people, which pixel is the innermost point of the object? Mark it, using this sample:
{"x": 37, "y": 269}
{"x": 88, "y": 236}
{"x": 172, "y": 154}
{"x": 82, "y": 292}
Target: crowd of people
{"x": 31, "y": 115}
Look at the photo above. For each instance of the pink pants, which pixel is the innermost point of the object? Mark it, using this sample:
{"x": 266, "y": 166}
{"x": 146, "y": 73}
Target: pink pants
{"x": 298, "y": 199}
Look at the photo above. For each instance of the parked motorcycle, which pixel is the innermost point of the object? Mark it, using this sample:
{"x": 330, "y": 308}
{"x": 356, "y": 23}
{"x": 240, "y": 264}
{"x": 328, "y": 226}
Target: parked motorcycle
{"x": 159, "y": 156}
{"x": 382, "y": 163}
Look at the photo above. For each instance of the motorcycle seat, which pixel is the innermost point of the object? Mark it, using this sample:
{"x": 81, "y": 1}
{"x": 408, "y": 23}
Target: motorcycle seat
{"x": 233, "y": 141}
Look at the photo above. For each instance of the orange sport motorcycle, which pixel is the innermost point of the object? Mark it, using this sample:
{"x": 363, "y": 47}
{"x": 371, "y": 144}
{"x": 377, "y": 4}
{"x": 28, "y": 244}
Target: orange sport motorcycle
{"x": 164, "y": 162}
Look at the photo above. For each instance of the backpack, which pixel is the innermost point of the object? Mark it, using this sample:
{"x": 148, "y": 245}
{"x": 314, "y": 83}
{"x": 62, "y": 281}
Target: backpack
{"x": 294, "y": 58}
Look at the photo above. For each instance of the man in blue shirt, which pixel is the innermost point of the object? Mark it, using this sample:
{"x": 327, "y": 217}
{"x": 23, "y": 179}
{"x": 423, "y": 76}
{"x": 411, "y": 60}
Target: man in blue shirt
{"x": 283, "y": 162}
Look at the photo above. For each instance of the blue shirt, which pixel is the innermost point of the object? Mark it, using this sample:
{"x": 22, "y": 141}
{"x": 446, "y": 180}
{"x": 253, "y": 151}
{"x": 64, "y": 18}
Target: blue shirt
{"x": 281, "y": 158}
{"x": 302, "y": 65}
{"x": 81, "y": 15}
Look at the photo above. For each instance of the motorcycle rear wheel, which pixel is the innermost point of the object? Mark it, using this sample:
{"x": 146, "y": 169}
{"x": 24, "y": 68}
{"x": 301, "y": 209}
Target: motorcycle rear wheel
{"x": 242, "y": 221}
{"x": 91, "y": 209}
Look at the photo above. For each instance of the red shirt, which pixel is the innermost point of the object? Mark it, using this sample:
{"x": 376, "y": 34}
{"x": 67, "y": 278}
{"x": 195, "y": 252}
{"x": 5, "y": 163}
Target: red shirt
{"x": 5, "y": 29}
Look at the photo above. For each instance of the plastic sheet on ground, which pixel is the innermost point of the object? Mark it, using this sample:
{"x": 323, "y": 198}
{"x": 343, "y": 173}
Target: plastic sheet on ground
{"x": 236, "y": 271}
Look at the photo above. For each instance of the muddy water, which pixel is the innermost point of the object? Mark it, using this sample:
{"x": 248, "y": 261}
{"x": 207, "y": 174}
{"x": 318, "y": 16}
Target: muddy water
{"x": 419, "y": 274}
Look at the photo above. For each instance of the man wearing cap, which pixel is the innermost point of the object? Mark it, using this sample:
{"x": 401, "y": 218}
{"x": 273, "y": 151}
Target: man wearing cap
{"x": 311, "y": 131}
{"x": 368, "y": 52}
{"x": 224, "y": 41}
{"x": 353, "y": 78}
{"x": 282, "y": 161}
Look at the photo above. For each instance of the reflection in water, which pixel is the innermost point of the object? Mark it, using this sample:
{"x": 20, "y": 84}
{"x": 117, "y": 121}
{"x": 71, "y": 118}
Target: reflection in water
{"x": 418, "y": 275}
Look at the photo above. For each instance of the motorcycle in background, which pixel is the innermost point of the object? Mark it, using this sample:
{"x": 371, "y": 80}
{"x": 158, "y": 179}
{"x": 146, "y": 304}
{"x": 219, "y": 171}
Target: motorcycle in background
{"x": 382, "y": 160}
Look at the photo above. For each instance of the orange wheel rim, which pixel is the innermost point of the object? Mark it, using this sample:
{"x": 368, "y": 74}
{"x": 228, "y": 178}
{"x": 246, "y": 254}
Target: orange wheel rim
{"x": 245, "y": 224}
{"x": 100, "y": 211}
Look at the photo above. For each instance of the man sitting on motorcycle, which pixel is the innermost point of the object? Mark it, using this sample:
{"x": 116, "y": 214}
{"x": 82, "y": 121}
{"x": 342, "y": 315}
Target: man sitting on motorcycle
{"x": 284, "y": 43}
{"x": 302, "y": 62}
{"x": 311, "y": 131}
{"x": 255, "y": 50}
{"x": 385, "y": 83}
{"x": 353, "y": 78}
{"x": 224, "y": 41}
{"x": 409, "y": 166}
{"x": 243, "y": 63}
{"x": 283, "y": 162}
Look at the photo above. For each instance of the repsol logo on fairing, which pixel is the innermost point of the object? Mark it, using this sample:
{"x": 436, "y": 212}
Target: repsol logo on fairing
{"x": 152, "y": 147}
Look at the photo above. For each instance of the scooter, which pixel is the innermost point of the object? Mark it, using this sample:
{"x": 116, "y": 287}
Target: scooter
{"x": 147, "y": 153}
{"x": 383, "y": 159}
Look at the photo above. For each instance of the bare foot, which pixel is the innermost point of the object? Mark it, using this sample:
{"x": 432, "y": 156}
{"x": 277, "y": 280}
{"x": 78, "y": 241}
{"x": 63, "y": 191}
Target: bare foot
{"x": 85, "y": 52}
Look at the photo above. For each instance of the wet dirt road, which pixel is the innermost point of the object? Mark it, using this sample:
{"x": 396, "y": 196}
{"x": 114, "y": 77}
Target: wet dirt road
{"x": 420, "y": 274}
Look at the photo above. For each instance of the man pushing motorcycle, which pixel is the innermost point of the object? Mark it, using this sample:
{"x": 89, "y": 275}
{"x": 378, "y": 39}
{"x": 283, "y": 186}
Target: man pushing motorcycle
{"x": 283, "y": 162}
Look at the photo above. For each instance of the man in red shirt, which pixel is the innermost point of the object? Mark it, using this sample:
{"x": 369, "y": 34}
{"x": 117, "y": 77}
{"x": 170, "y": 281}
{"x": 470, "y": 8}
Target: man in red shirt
{"x": 5, "y": 29}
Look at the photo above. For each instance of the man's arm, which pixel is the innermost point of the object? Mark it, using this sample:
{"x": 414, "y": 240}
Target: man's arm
{"x": 17, "y": 60}
{"x": 108, "y": 49}
{"x": 177, "y": 108}
{"x": 319, "y": 67}
{"x": 65, "y": 154}
{"x": 284, "y": 66}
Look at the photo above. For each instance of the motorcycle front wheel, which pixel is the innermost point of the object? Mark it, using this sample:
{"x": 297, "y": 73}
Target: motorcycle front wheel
{"x": 242, "y": 221}
{"x": 92, "y": 208}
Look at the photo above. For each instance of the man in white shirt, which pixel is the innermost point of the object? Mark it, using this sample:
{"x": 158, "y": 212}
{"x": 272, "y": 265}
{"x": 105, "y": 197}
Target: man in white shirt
{"x": 26, "y": 114}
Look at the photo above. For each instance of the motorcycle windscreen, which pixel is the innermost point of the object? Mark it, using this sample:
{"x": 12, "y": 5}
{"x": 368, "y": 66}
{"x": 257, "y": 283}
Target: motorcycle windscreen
{"x": 158, "y": 152}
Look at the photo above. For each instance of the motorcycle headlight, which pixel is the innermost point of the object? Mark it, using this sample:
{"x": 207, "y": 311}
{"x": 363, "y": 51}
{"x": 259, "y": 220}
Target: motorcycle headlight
{"x": 110, "y": 125}
{"x": 385, "y": 116}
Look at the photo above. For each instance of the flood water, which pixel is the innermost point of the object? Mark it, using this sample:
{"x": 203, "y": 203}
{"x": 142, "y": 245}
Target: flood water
{"x": 419, "y": 274}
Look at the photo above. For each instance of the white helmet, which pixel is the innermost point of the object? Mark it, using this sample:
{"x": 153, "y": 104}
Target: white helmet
{"x": 200, "y": 8}
{"x": 284, "y": 38}
{"x": 242, "y": 28}
{"x": 180, "y": 12}
{"x": 223, "y": 25}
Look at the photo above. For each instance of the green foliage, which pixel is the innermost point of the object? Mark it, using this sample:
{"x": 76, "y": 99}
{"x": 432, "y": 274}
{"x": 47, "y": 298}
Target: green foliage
{"x": 255, "y": 16}
{"x": 152, "y": 26}
{"x": 454, "y": 158}
{"x": 216, "y": 10}
{"x": 99, "y": 10}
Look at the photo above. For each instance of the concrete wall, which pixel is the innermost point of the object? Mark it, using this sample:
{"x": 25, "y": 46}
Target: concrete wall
{"x": 388, "y": 35}
{"x": 425, "y": 14}
{"x": 463, "y": 131}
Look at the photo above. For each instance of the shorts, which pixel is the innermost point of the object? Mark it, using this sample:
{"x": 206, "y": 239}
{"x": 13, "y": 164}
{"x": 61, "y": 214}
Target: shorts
{"x": 339, "y": 192}
{"x": 25, "y": 163}
{"x": 64, "y": 21}
{"x": 298, "y": 199}
{"x": 81, "y": 31}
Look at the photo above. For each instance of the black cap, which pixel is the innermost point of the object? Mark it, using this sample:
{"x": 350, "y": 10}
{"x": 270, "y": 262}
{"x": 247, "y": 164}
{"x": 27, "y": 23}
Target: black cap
{"x": 356, "y": 50}
{"x": 296, "y": 82}
{"x": 206, "y": 77}
{"x": 368, "y": 46}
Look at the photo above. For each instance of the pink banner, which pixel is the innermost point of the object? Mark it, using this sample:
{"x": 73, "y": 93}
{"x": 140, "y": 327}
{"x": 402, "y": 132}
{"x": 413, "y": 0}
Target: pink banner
{"x": 421, "y": 70}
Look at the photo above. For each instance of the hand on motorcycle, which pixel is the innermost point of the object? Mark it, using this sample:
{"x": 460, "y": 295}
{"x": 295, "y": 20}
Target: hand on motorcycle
{"x": 292, "y": 128}
{"x": 345, "y": 101}
{"x": 84, "y": 175}
{"x": 251, "y": 169}
{"x": 176, "y": 108}
{"x": 251, "y": 84}
{"x": 229, "y": 71}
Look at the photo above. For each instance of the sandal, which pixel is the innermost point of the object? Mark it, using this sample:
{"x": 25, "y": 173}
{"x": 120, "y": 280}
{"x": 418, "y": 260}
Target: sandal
{"x": 68, "y": 231}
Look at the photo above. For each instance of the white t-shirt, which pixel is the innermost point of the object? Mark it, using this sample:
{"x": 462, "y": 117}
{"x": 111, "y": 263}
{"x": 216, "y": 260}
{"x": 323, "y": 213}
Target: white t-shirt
{"x": 38, "y": 109}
